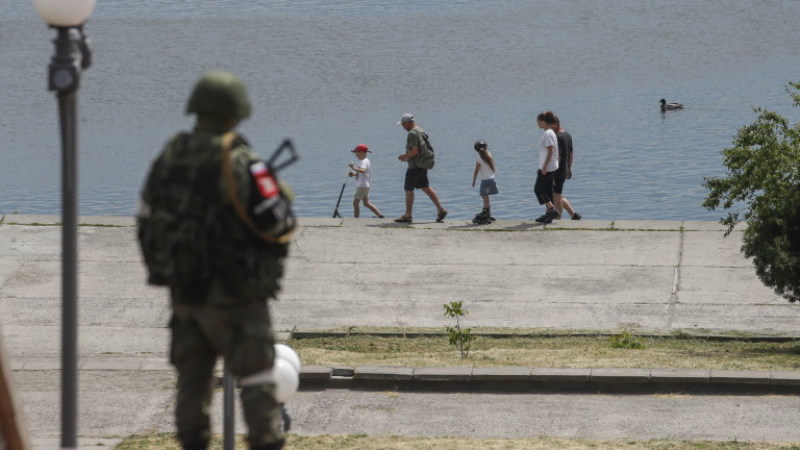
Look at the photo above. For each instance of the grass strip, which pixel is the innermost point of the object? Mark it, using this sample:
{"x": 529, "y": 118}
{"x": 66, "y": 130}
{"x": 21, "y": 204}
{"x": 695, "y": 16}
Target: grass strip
{"x": 567, "y": 352}
{"x": 363, "y": 442}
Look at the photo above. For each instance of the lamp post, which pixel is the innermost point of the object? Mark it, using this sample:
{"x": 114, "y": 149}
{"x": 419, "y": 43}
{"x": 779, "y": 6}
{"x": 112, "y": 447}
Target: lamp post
{"x": 72, "y": 55}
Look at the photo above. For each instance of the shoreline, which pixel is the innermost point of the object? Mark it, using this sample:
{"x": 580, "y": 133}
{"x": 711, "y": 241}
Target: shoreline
{"x": 454, "y": 224}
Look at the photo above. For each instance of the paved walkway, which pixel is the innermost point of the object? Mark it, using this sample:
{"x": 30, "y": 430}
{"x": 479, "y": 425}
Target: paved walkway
{"x": 648, "y": 277}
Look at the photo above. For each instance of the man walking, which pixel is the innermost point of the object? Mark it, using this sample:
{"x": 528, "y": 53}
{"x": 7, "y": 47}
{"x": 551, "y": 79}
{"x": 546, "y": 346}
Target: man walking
{"x": 198, "y": 241}
{"x": 416, "y": 176}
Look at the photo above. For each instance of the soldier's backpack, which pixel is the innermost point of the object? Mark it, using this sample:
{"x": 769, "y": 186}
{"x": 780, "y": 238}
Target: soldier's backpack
{"x": 426, "y": 155}
{"x": 179, "y": 214}
{"x": 187, "y": 213}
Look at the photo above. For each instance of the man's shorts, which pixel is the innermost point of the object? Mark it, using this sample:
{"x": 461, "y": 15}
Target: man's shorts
{"x": 558, "y": 183}
{"x": 416, "y": 178}
{"x": 361, "y": 193}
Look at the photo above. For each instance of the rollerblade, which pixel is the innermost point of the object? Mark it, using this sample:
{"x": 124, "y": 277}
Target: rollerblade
{"x": 484, "y": 217}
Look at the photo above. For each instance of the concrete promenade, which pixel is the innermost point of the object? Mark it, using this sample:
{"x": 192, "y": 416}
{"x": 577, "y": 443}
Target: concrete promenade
{"x": 647, "y": 277}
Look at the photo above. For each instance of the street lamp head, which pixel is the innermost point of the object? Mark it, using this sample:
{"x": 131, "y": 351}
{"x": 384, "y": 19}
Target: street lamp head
{"x": 64, "y": 13}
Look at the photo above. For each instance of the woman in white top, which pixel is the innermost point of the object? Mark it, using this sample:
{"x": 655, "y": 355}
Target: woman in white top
{"x": 484, "y": 165}
{"x": 548, "y": 163}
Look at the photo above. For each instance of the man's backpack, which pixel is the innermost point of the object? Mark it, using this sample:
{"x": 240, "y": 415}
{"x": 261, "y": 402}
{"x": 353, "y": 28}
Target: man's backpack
{"x": 426, "y": 156}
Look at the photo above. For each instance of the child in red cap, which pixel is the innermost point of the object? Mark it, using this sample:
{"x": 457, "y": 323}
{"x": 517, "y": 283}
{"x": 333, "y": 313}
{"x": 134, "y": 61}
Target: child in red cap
{"x": 363, "y": 174}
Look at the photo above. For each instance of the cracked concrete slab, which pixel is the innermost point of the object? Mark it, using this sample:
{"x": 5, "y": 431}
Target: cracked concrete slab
{"x": 648, "y": 276}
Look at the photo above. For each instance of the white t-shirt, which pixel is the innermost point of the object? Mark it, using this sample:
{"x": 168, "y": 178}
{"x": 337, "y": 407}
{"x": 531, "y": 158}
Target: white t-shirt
{"x": 486, "y": 172}
{"x": 364, "y": 180}
{"x": 548, "y": 139}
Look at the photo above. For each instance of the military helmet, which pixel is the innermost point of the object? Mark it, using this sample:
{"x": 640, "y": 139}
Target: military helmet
{"x": 219, "y": 94}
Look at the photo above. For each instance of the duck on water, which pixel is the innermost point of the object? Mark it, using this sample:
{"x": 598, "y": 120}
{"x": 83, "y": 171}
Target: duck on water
{"x": 668, "y": 106}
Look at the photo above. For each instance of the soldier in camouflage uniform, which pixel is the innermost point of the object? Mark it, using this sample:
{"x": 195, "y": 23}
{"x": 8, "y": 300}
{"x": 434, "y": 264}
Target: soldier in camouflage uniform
{"x": 220, "y": 274}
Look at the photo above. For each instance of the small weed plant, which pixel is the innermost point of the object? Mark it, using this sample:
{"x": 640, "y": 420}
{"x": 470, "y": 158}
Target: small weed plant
{"x": 625, "y": 340}
{"x": 680, "y": 334}
{"x": 460, "y": 337}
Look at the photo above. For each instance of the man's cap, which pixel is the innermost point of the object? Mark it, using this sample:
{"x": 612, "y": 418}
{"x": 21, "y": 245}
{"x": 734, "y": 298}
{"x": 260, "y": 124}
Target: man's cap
{"x": 361, "y": 148}
{"x": 406, "y": 118}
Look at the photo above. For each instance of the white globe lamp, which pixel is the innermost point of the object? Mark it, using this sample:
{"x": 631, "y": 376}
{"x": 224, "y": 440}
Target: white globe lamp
{"x": 64, "y": 13}
{"x": 287, "y": 354}
{"x": 286, "y": 381}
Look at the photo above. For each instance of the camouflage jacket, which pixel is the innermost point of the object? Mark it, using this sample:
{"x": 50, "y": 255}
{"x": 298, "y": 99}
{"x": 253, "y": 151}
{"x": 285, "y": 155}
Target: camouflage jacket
{"x": 188, "y": 230}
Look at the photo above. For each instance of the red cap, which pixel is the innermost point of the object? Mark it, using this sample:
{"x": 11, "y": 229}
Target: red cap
{"x": 361, "y": 148}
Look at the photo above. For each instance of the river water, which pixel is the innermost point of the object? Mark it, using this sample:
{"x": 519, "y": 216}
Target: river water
{"x": 332, "y": 74}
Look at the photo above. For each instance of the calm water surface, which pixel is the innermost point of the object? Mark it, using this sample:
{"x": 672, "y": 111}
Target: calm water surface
{"x": 332, "y": 74}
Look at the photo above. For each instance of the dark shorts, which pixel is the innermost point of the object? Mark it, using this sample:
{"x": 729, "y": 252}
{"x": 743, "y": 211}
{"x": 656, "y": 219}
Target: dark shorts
{"x": 544, "y": 187}
{"x": 558, "y": 182}
{"x": 416, "y": 178}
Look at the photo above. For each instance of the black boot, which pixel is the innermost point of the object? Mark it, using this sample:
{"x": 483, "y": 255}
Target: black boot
{"x": 197, "y": 444}
{"x": 275, "y": 446}
{"x": 287, "y": 419}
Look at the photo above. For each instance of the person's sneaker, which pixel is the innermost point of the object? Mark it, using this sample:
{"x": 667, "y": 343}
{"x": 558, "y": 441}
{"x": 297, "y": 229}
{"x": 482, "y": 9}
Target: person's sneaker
{"x": 558, "y": 217}
{"x": 549, "y": 216}
{"x": 576, "y": 216}
{"x": 541, "y": 218}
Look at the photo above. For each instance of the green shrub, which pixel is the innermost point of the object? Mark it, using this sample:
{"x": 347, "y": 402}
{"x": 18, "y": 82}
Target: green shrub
{"x": 762, "y": 182}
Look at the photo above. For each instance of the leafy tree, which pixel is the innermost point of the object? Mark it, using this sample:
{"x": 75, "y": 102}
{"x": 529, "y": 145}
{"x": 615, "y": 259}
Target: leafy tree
{"x": 763, "y": 183}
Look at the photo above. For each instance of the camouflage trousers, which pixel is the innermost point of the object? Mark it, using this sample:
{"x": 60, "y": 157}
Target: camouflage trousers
{"x": 242, "y": 335}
